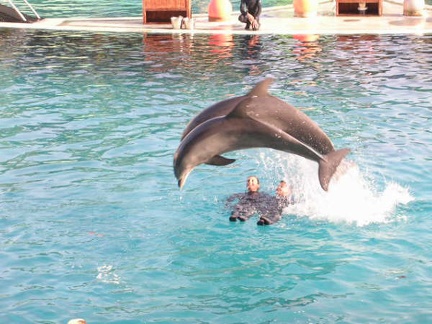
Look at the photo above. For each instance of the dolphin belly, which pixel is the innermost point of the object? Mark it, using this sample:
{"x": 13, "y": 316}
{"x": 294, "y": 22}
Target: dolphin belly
{"x": 222, "y": 135}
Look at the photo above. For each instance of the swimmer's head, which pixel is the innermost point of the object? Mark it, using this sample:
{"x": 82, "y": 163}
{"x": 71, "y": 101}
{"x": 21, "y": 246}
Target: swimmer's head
{"x": 77, "y": 321}
{"x": 283, "y": 189}
{"x": 252, "y": 184}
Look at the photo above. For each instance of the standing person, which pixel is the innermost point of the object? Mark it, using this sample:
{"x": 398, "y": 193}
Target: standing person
{"x": 250, "y": 13}
{"x": 251, "y": 202}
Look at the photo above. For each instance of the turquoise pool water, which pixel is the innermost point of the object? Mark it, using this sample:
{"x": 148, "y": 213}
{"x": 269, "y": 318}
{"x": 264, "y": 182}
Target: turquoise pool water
{"x": 92, "y": 223}
{"x": 121, "y": 8}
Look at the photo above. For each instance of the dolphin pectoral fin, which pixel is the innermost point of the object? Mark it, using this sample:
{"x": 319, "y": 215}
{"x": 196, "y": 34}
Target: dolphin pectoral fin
{"x": 328, "y": 166}
{"x": 219, "y": 160}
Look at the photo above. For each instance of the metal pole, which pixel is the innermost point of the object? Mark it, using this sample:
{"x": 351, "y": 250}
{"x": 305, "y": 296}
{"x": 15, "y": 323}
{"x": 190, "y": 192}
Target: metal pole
{"x": 32, "y": 9}
{"x": 17, "y": 11}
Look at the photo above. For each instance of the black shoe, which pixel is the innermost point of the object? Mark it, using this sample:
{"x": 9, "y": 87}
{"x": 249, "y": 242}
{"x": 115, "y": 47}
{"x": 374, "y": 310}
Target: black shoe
{"x": 233, "y": 218}
{"x": 263, "y": 221}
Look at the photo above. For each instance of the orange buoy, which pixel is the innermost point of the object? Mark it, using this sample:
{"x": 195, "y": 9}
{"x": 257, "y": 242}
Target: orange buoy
{"x": 413, "y": 7}
{"x": 219, "y": 10}
{"x": 305, "y": 8}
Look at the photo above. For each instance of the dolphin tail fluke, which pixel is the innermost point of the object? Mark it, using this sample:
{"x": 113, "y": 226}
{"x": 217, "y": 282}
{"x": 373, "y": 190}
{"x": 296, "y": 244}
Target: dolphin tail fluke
{"x": 219, "y": 160}
{"x": 328, "y": 166}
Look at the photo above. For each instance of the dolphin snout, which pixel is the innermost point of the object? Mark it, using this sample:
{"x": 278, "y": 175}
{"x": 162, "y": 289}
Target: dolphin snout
{"x": 180, "y": 183}
{"x": 181, "y": 176}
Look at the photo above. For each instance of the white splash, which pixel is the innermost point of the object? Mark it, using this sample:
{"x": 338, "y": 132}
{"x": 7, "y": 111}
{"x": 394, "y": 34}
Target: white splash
{"x": 106, "y": 274}
{"x": 351, "y": 197}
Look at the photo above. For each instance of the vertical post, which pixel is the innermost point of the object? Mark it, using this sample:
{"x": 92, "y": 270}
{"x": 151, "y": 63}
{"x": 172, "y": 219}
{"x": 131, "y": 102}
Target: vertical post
{"x": 17, "y": 11}
{"x": 32, "y": 9}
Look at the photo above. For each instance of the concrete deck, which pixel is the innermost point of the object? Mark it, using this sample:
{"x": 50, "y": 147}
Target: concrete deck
{"x": 276, "y": 20}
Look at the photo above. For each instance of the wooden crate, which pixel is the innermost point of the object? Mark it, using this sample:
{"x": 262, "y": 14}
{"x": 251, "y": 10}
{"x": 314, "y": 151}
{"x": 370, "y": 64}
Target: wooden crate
{"x": 161, "y": 11}
{"x": 350, "y": 7}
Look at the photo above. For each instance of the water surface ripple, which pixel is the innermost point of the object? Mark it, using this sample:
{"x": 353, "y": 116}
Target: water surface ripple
{"x": 92, "y": 223}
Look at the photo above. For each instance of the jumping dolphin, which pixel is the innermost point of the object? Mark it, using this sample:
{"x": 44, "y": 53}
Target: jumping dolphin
{"x": 258, "y": 120}
{"x": 221, "y": 109}
{"x": 224, "y": 107}
{"x": 279, "y": 114}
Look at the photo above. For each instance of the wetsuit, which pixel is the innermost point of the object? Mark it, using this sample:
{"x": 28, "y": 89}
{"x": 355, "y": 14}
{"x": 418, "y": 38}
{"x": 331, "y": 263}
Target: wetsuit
{"x": 255, "y": 203}
{"x": 273, "y": 213}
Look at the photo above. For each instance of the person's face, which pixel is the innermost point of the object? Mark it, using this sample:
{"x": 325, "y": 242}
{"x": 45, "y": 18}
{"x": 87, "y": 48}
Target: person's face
{"x": 282, "y": 189}
{"x": 252, "y": 184}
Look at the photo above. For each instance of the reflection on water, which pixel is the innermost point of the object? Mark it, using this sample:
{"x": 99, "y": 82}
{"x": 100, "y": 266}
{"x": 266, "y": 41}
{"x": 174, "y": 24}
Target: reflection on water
{"x": 307, "y": 47}
{"x": 286, "y": 56}
{"x": 221, "y": 46}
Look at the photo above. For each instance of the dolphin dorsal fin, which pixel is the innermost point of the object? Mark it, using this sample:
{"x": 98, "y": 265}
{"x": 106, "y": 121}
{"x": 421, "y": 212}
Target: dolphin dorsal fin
{"x": 242, "y": 109}
{"x": 261, "y": 88}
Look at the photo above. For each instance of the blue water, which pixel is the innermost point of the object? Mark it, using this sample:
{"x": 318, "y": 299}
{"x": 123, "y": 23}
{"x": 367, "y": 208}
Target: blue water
{"x": 120, "y": 8}
{"x": 92, "y": 223}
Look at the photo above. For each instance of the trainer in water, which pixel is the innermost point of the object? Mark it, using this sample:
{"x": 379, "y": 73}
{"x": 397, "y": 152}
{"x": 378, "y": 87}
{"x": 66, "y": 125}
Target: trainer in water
{"x": 284, "y": 195}
{"x": 253, "y": 202}
{"x": 255, "y": 120}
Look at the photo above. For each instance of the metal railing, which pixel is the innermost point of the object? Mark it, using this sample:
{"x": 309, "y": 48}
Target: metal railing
{"x": 20, "y": 14}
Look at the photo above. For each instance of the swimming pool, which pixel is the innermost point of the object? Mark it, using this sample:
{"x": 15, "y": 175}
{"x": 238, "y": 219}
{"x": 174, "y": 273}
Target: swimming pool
{"x": 121, "y": 8}
{"x": 93, "y": 225}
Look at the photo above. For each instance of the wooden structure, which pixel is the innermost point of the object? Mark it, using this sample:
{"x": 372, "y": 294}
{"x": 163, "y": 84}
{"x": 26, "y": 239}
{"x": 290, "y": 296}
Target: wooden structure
{"x": 350, "y": 7}
{"x": 161, "y": 11}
